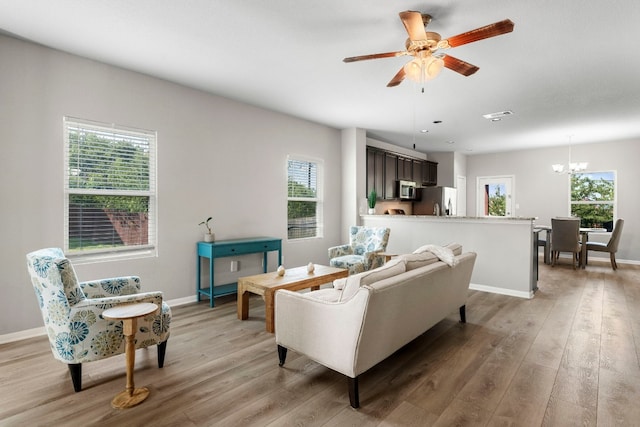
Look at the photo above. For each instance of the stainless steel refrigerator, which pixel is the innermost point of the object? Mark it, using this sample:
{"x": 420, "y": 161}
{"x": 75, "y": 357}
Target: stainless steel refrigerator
{"x": 436, "y": 201}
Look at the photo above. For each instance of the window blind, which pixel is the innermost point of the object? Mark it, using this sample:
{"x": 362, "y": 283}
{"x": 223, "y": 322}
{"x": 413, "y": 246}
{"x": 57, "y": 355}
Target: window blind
{"x": 110, "y": 188}
{"x": 304, "y": 204}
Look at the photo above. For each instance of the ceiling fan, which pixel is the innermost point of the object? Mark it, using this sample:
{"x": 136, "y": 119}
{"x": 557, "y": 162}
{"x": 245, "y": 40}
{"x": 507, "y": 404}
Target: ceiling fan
{"x": 423, "y": 46}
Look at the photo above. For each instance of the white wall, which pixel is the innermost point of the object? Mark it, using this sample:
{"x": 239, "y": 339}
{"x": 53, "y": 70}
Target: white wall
{"x": 540, "y": 192}
{"x": 216, "y": 157}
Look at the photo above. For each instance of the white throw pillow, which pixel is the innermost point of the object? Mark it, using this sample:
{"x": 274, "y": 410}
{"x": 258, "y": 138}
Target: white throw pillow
{"x": 444, "y": 254}
{"x": 414, "y": 261}
{"x": 392, "y": 268}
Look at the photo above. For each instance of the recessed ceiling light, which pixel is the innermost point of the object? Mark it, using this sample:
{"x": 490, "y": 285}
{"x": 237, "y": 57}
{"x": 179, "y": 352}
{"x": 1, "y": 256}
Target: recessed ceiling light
{"x": 450, "y": 142}
{"x": 437, "y": 121}
{"x": 424, "y": 131}
{"x": 496, "y": 119}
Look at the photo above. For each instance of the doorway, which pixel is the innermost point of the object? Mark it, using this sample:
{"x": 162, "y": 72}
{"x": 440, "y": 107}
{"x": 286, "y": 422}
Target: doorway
{"x": 495, "y": 196}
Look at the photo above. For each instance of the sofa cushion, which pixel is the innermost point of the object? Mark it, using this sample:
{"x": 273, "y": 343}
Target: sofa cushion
{"x": 414, "y": 261}
{"x": 392, "y": 268}
{"x": 443, "y": 253}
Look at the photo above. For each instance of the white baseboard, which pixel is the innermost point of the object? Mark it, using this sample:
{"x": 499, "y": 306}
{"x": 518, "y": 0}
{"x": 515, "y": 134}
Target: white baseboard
{"x": 38, "y": 332}
{"x": 22, "y": 335}
{"x": 501, "y": 291}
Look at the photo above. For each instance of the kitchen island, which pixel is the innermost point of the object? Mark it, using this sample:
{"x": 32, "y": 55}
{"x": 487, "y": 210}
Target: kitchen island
{"x": 507, "y": 257}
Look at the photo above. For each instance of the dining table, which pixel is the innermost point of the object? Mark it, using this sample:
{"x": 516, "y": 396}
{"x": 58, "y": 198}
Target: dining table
{"x": 584, "y": 238}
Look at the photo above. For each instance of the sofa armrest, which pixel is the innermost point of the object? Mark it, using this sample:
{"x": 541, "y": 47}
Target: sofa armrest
{"x": 114, "y": 286}
{"x": 336, "y": 251}
{"x": 327, "y": 332}
{"x": 104, "y": 303}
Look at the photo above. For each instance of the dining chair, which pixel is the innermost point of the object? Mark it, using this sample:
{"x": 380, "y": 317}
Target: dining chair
{"x": 612, "y": 245}
{"x": 565, "y": 237}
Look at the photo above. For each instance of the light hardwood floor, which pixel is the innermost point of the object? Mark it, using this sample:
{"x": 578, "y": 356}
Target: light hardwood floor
{"x": 569, "y": 356}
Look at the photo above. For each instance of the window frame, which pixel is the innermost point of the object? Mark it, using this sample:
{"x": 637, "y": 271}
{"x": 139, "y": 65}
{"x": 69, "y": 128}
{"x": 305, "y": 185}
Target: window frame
{"x": 119, "y": 252}
{"x": 319, "y": 199}
{"x": 613, "y": 203}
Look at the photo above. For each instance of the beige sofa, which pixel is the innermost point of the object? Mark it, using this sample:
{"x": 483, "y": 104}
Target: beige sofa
{"x": 366, "y": 317}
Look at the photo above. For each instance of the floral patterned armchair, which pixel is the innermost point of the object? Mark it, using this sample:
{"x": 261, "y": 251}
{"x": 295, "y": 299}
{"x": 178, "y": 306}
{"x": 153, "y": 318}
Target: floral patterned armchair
{"x": 72, "y": 313}
{"x": 363, "y": 251}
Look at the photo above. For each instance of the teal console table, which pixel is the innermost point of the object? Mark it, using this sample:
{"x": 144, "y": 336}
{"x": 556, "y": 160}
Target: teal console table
{"x": 229, "y": 248}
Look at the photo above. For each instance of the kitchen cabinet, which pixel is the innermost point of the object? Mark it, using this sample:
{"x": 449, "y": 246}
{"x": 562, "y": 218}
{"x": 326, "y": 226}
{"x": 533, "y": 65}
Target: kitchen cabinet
{"x": 405, "y": 169}
{"x": 385, "y": 168}
{"x": 390, "y": 175}
{"x": 430, "y": 173}
{"x": 375, "y": 172}
{"x": 417, "y": 172}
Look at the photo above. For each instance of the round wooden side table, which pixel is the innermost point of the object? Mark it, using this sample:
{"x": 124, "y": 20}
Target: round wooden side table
{"x": 129, "y": 314}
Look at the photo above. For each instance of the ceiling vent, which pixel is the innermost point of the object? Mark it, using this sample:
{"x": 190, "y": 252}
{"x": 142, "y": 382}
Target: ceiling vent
{"x": 498, "y": 115}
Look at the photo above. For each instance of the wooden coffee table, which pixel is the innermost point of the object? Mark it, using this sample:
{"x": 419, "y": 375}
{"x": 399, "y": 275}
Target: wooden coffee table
{"x": 294, "y": 279}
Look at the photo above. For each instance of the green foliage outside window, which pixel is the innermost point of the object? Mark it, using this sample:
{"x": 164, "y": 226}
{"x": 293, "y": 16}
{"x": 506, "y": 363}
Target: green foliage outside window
{"x": 300, "y": 209}
{"x": 592, "y": 198}
{"x": 102, "y": 163}
{"x": 497, "y": 201}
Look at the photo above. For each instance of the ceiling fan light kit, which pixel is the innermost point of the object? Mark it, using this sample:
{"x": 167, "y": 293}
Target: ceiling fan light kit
{"x": 423, "y": 45}
{"x": 422, "y": 69}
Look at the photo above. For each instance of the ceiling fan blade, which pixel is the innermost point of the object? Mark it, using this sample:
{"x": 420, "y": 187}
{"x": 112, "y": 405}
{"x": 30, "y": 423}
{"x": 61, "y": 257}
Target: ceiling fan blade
{"x": 459, "y": 66}
{"x": 413, "y": 24}
{"x": 375, "y": 56}
{"x": 397, "y": 79}
{"x": 481, "y": 33}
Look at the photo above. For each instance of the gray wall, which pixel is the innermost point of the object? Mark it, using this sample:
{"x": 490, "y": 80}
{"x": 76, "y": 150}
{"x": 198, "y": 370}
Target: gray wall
{"x": 216, "y": 157}
{"x": 542, "y": 193}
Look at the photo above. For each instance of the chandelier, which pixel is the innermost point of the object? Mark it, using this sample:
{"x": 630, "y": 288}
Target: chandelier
{"x": 573, "y": 167}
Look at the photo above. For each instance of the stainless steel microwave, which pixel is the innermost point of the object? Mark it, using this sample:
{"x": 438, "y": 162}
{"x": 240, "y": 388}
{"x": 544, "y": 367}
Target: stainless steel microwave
{"x": 407, "y": 190}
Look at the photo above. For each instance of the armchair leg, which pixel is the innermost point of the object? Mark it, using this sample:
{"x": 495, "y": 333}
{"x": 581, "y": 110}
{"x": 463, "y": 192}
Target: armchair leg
{"x": 162, "y": 349}
{"x": 75, "y": 369}
{"x": 354, "y": 395}
{"x": 282, "y": 354}
{"x": 614, "y": 264}
{"x": 463, "y": 314}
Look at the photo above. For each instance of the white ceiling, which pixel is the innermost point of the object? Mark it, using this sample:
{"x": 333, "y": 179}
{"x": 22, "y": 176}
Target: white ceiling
{"x": 570, "y": 70}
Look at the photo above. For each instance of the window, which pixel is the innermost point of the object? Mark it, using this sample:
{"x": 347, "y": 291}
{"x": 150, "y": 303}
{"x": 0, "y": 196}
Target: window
{"x": 593, "y": 198}
{"x": 304, "y": 198}
{"x": 110, "y": 188}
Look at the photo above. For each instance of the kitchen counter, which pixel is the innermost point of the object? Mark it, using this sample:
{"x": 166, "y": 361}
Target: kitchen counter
{"x": 507, "y": 257}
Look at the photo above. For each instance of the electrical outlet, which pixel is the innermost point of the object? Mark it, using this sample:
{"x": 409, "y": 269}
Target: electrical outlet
{"x": 235, "y": 265}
